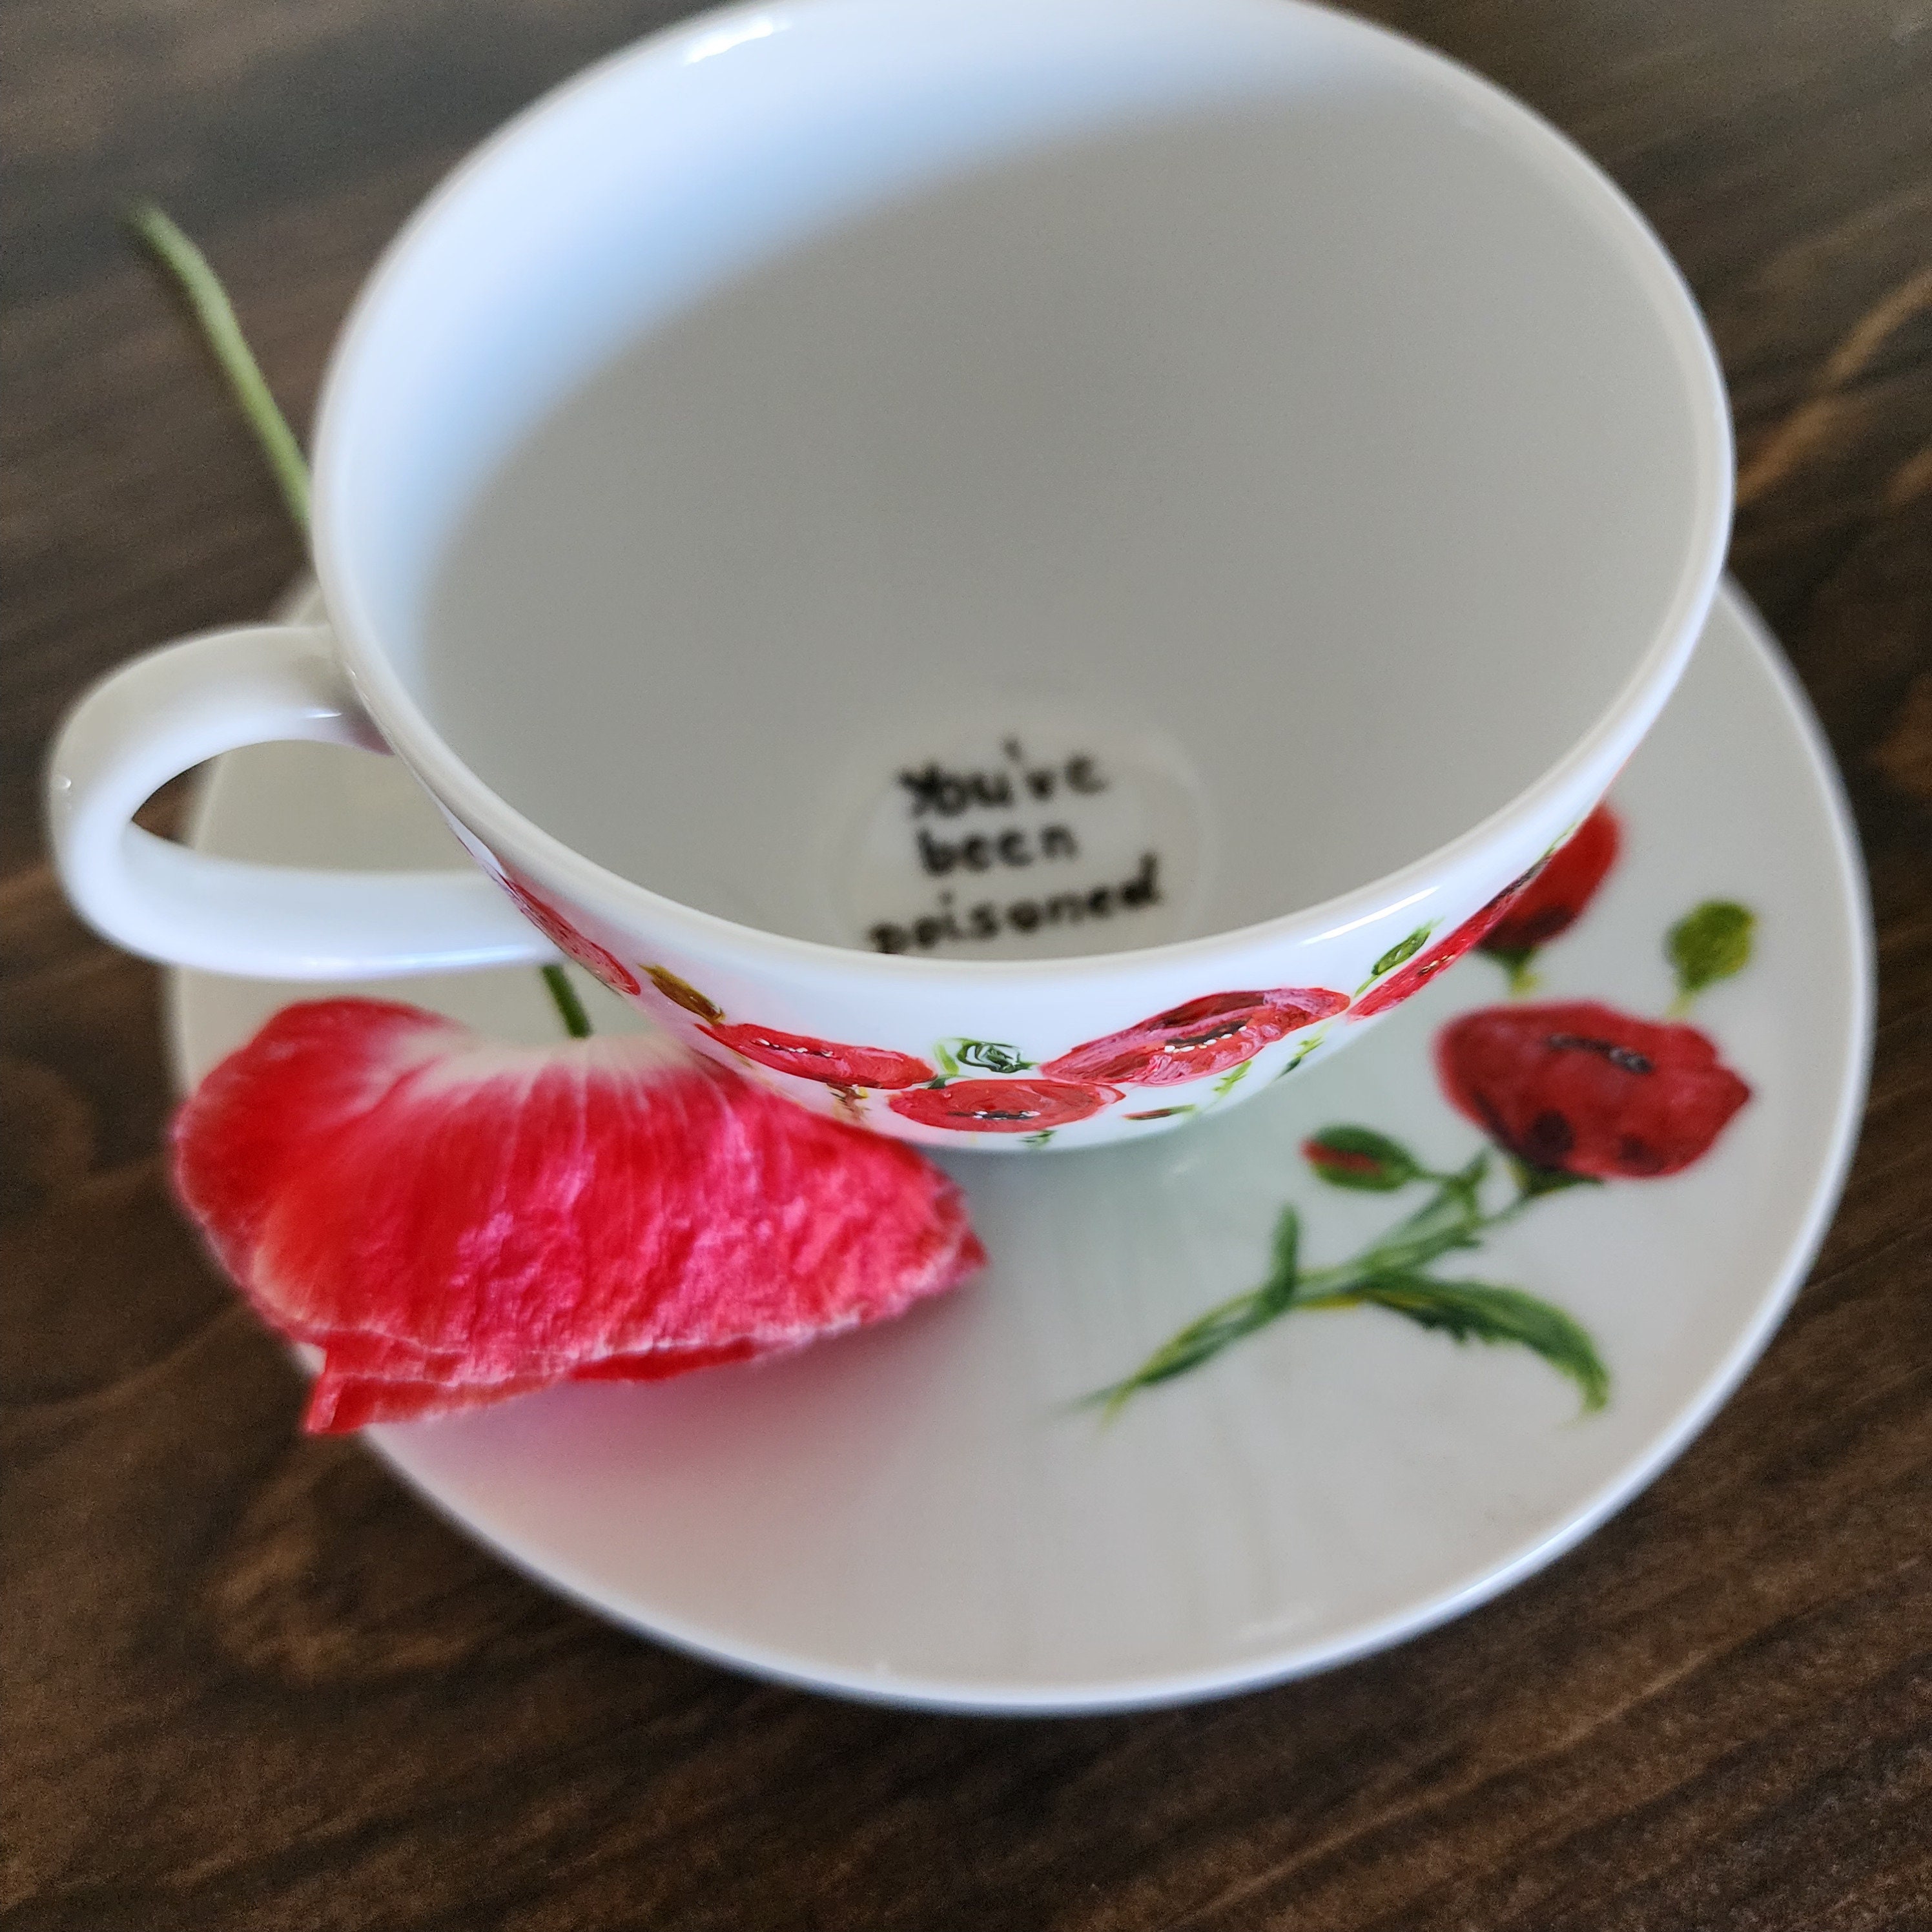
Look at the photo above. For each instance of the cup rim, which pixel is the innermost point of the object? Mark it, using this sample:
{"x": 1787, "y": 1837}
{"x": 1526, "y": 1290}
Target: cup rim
{"x": 1586, "y": 766}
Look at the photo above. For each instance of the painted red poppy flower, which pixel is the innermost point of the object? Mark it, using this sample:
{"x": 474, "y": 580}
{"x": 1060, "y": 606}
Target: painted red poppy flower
{"x": 594, "y": 959}
{"x": 1553, "y": 901}
{"x": 1409, "y": 980}
{"x": 1003, "y": 1106}
{"x": 451, "y": 1220}
{"x": 1210, "y": 1035}
{"x": 822, "y": 1059}
{"x": 1577, "y": 1088}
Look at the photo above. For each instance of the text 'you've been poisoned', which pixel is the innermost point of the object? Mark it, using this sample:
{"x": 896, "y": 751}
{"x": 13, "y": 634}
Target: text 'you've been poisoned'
{"x": 1007, "y": 835}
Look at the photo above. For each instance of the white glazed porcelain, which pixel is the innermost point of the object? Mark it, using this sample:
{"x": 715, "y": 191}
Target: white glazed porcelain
{"x": 920, "y": 1513}
{"x": 1281, "y": 461}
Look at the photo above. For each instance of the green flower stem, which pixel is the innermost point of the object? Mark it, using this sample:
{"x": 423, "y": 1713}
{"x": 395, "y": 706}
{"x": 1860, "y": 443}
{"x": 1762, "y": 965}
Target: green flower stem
{"x": 223, "y": 333}
{"x": 215, "y": 314}
{"x": 563, "y": 997}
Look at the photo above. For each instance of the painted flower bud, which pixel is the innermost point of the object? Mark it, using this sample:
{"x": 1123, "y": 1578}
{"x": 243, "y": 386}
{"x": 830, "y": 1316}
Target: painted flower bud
{"x": 1360, "y": 1158}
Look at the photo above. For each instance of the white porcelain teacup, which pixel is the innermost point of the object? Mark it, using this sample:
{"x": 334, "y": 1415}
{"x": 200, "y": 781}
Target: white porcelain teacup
{"x": 1011, "y": 566}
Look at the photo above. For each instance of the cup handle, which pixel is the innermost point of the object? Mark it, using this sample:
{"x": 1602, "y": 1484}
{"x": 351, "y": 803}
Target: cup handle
{"x": 162, "y": 714}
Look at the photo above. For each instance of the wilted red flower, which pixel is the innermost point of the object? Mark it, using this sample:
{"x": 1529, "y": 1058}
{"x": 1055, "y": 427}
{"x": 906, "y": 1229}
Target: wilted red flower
{"x": 594, "y": 959}
{"x": 1552, "y": 902}
{"x": 822, "y": 1059}
{"x": 1409, "y": 980}
{"x": 1003, "y": 1106}
{"x": 1210, "y": 1035}
{"x": 1577, "y": 1088}
{"x": 452, "y": 1220}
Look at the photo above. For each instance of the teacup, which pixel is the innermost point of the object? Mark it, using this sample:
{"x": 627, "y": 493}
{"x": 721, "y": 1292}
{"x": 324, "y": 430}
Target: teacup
{"x": 1011, "y": 567}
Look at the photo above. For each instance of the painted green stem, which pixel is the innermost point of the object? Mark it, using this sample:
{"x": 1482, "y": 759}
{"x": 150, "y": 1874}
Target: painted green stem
{"x": 1389, "y": 1273}
{"x": 220, "y": 329}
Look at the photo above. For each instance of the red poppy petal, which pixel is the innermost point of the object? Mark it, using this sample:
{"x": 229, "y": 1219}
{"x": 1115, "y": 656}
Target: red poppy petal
{"x": 338, "y": 1403}
{"x": 657, "y": 1365}
{"x": 432, "y": 1207}
{"x": 341, "y": 1400}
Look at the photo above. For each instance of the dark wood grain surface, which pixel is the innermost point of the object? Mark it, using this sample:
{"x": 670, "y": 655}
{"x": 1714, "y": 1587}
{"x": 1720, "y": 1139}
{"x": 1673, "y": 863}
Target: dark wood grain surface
{"x": 249, "y": 1682}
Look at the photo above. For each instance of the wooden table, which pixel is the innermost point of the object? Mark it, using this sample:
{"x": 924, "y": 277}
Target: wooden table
{"x": 249, "y": 1682}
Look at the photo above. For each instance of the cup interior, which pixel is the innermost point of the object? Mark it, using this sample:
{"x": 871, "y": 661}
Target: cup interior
{"x": 1003, "y": 478}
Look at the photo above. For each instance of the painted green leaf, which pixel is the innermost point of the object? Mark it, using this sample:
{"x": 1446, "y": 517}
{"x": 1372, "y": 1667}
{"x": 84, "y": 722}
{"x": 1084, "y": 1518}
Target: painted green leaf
{"x": 1403, "y": 949}
{"x": 1203, "y": 1339}
{"x": 1710, "y": 944}
{"x": 1359, "y": 1157}
{"x": 991, "y": 1056}
{"x": 1287, "y": 1270}
{"x": 1200, "y": 1341}
{"x": 1474, "y": 1311}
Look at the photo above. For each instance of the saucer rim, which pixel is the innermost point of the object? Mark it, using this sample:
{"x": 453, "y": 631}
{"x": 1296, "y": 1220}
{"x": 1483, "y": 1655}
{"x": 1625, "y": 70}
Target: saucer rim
{"x": 983, "y": 1697}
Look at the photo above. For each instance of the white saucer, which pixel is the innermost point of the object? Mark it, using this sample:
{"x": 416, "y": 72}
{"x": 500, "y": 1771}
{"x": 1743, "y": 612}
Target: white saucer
{"x": 922, "y": 1514}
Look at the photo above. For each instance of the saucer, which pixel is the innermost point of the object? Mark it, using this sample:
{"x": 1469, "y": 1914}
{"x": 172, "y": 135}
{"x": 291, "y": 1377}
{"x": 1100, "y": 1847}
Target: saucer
{"x": 934, "y": 1513}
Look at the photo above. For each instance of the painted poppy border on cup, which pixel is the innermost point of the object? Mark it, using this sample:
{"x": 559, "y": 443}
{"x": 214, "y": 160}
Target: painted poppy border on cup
{"x": 1218, "y": 1036}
